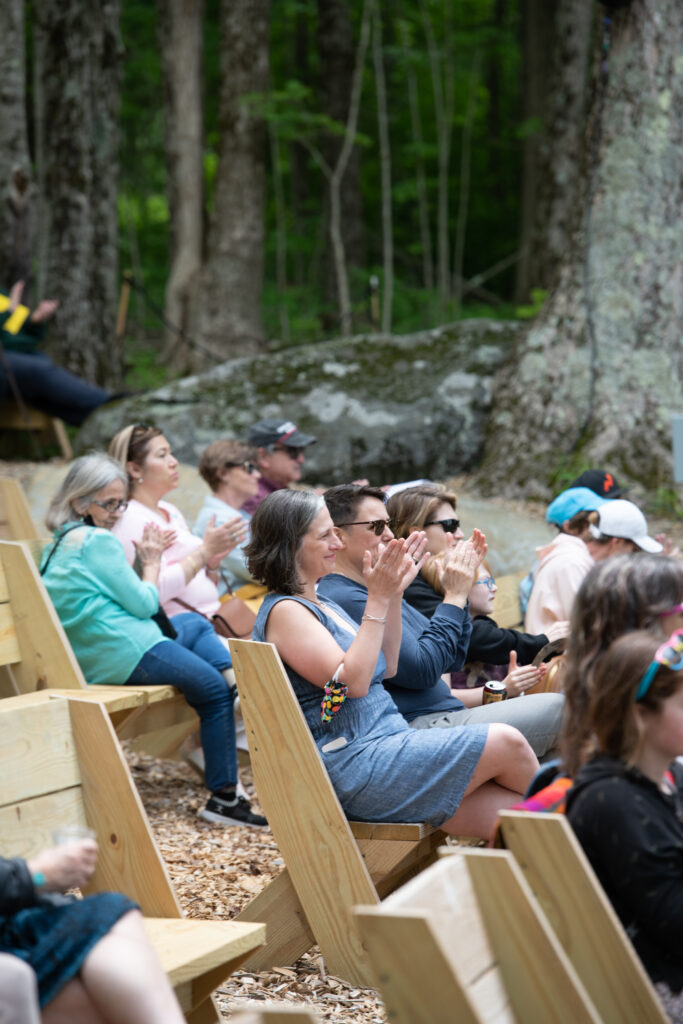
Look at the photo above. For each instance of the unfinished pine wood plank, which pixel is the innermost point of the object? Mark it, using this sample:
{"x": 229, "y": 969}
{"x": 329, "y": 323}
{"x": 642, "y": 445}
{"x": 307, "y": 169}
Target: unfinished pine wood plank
{"x": 16, "y": 521}
{"x": 9, "y": 642}
{"x": 302, "y": 808}
{"x": 47, "y": 659}
{"x": 190, "y": 948}
{"x": 38, "y": 750}
{"x": 408, "y": 832}
{"x": 129, "y": 859}
{"x": 584, "y": 921}
{"x": 508, "y": 608}
{"x": 26, "y": 825}
{"x": 288, "y": 931}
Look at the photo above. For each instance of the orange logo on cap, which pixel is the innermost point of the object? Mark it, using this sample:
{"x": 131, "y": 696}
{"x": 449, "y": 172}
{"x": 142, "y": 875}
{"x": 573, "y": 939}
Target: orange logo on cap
{"x": 609, "y": 482}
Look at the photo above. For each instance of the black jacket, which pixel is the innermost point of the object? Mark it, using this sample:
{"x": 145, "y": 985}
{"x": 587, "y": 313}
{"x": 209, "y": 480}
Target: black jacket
{"x": 16, "y": 886}
{"x": 489, "y": 643}
{"x": 632, "y": 835}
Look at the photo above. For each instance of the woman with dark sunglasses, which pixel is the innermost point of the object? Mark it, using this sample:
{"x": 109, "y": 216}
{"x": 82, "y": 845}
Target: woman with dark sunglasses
{"x": 229, "y": 468}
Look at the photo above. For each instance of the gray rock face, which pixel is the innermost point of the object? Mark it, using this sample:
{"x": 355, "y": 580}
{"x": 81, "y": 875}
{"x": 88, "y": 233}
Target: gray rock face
{"x": 386, "y": 408}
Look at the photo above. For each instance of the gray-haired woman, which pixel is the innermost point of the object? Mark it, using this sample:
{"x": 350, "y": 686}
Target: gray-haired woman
{"x": 106, "y": 610}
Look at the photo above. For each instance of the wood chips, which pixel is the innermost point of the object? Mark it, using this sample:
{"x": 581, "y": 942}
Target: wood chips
{"x": 215, "y": 871}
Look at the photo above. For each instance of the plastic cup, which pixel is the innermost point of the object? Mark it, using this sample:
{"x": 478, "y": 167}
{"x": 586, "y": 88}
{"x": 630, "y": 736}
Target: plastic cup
{"x": 71, "y": 834}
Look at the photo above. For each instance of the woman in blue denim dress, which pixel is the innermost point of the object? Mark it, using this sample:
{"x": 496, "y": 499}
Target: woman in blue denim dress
{"x": 381, "y": 769}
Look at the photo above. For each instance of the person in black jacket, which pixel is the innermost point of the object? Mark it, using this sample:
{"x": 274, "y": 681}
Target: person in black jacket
{"x": 88, "y": 955}
{"x": 630, "y": 828}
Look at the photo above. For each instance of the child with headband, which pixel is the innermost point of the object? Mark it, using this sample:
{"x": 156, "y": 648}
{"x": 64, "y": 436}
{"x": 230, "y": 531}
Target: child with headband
{"x": 630, "y": 829}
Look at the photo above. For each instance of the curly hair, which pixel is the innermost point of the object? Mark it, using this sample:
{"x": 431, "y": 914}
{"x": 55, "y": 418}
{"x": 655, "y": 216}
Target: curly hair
{"x": 278, "y": 527}
{"x": 618, "y": 595}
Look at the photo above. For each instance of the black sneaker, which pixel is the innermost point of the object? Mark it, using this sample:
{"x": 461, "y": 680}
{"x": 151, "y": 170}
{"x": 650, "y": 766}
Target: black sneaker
{"x": 234, "y": 811}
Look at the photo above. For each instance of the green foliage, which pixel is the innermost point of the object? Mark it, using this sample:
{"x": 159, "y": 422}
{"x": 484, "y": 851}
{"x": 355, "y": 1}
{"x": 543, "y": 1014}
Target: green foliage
{"x": 667, "y": 503}
{"x": 533, "y": 308}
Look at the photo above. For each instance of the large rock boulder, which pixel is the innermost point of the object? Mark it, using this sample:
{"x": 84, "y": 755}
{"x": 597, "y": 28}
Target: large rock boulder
{"x": 387, "y": 408}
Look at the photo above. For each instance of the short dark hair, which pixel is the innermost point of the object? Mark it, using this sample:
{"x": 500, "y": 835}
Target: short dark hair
{"x": 344, "y": 499}
{"x": 220, "y": 455}
{"x": 278, "y": 526}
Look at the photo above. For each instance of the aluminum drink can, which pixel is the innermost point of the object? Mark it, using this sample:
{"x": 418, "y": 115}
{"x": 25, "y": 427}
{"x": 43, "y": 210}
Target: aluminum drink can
{"x": 494, "y": 691}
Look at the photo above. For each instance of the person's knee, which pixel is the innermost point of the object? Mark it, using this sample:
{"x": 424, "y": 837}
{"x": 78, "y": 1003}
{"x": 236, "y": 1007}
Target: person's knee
{"x": 509, "y": 742}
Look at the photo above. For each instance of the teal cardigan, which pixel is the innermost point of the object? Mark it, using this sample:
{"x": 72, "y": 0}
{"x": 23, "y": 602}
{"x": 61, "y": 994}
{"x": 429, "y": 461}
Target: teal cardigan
{"x": 103, "y": 605}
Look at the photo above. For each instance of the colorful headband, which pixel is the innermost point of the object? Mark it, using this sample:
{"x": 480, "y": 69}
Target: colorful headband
{"x": 669, "y": 654}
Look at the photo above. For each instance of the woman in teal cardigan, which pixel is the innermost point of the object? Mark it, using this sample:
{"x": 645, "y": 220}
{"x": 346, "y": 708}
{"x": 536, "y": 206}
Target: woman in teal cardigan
{"x": 106, "y": 611}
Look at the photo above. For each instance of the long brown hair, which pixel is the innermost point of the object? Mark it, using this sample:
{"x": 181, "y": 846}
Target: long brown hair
{"x": 610, "y": 720}
{"x": 618, "y": 595}
{"x": 413, "y": 507}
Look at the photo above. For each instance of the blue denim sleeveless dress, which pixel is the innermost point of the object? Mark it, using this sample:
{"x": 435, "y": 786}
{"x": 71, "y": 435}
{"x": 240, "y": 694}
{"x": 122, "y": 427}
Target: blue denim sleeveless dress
{"x": 381, "y": 769}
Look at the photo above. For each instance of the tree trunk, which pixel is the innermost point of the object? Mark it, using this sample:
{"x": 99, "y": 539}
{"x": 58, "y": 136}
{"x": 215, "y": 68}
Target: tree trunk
{"x": 599, "y": 373}
{"x": 385, "y": 165}
{"x": 180, "y": 32}
{"x": 230, "y": 316}
{"x": 556, "y": 42}
{"x": 80, "y": 79}
{"x": 16, "y": 193}
{"x": 464, "y": 198}
{"x": 337, "y": 54}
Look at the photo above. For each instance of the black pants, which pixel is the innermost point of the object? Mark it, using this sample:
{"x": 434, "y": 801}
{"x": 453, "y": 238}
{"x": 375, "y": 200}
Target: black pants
{"x": 50, "y": 388}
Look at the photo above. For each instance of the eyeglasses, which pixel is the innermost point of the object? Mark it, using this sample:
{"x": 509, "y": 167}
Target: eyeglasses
{"x": 488, "y": 581}
{"x": 447, "y": 525}
{"x": 247, "y": 466}
{"x": 377, "y": 526}
{"x": 290, "y": 450}
{"x": 112, "y": 505}
{"x": 669, "y": 654}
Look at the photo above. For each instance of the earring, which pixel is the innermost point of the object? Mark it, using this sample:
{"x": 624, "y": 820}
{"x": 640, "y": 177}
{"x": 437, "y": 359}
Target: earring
{"x": 139, "y": 479}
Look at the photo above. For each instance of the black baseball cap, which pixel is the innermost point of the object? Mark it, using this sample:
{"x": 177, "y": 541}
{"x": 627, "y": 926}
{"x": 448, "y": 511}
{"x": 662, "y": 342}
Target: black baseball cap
{"x": 268, "y": 432}
{"x": 600, "y": 482}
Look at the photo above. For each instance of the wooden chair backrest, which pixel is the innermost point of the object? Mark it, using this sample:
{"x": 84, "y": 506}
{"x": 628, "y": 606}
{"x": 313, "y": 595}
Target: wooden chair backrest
{"x": 298, "y": 799}
{"x": 507, "y": 609}
{"x": 16, "y": 521}
{"x": 32, "y": 639}
{"x": 60, "y": 764}
{"x": 466, "y": 941}
{"x": 582, "y": 917}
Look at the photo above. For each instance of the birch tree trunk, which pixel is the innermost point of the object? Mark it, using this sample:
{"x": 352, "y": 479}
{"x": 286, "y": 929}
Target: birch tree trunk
{"x": 230, "y": 315}
{"x": 556, "y": 44}
{"x": 15, "y": 169}
{"x": 80, "y": 79}
{"x": 180, "y": 32}
{"x": 599, "y": 373}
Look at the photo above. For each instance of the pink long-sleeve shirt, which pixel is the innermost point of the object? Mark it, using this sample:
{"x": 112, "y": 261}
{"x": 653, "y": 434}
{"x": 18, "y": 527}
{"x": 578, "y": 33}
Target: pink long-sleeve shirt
{"x": 201, "y": 592}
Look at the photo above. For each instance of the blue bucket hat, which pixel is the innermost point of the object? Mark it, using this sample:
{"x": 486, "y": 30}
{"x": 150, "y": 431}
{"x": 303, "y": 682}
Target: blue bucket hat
{"x": 571, "y": 501}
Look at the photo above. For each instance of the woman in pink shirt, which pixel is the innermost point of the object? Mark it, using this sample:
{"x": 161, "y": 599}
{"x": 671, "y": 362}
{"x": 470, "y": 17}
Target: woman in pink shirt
{"x": 188, "y": 561}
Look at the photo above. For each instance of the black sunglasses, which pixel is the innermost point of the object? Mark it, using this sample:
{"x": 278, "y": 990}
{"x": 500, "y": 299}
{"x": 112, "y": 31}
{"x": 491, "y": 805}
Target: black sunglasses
{"x": 447, "y": 525}
{"x": 248, "y": 467}
{"x": 378, "y": 526}
{"x": 290, "y": 450}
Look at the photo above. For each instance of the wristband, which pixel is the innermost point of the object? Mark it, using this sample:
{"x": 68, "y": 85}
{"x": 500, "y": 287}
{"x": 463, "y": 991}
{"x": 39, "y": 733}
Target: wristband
{"x": 39, "y": 880}
{"x": 374, "y": 618}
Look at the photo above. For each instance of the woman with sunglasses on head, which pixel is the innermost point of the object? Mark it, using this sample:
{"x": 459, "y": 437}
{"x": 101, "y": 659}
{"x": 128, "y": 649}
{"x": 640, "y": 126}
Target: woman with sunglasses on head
{"x": 631, "y": 830}
{"x": 229, "y": 468}
{"x": 107, "y": 612}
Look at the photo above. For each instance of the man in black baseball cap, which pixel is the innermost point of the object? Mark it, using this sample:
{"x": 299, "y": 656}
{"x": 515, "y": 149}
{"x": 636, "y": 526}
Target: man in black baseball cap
{"x": 280, "y": 456}
{"x": 600, "y": 482}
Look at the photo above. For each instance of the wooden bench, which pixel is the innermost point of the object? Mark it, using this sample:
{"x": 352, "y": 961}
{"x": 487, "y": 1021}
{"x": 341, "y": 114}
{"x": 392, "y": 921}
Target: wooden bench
{"x": 507, "y": 609}
{"x": 12, "y": 418}
{"x": 16, "y": 521}
{"x": 35, "y": 654}
{"x": 465, "y": 941}
{"x": 61, "y": 764}
{"x": 582, "y": 917}
{"x": 331, "y": 864}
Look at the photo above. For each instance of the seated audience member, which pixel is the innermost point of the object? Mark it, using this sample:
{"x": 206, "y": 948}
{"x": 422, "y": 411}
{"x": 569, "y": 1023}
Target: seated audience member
{"x": 601, "y": 483}
{"x": 41, "y": 384}
{"x": 91, "y": 957}
{"x": 429, "y": 647}
{"x": 627, "y": 825}
{"x": 280, "y": 450}
{"x": 229, "y": 468}
{"x": 381, "y": 769}
{"x": 617, "y": 528}
{"x": 563, "y": 563}
{"x": 106, "y": 611}
{"x": 185, "y": 581}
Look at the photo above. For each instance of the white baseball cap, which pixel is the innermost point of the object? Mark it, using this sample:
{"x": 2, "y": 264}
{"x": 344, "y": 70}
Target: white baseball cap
{"x": 620, "y": 518}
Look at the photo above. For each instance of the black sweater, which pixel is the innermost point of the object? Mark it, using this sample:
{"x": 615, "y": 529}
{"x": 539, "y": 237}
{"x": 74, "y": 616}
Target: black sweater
{"x": 633, "y": 837}
{"x": 489, "y": 643}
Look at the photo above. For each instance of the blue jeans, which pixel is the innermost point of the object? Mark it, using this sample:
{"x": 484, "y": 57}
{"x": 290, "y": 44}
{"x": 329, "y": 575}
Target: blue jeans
{"x": 197, "y": 634}
{"x": 175, "y": 663}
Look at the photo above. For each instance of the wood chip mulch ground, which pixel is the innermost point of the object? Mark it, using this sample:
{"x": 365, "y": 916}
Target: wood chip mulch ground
{"x": 215, "y": 871}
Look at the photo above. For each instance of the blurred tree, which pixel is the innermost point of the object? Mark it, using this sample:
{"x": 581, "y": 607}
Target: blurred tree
{"x": 16, "y": 193}
{"x": 600, "y": 371}
{"x": 78, "y": 65}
